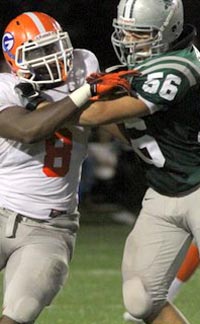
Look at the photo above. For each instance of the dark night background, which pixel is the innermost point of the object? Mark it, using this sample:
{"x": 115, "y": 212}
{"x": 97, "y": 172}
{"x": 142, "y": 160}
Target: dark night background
{"x": 89, "y": 22}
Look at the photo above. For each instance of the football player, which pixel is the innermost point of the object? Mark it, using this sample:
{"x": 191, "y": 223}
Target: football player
{"x": 40, "y": 161}
{"x": 161, "y": 120}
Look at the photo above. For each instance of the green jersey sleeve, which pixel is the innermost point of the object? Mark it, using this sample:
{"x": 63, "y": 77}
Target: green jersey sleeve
{"x": 166, "y": 79}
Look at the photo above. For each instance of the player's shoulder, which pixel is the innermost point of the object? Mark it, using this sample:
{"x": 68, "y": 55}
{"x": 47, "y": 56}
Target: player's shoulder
{"x": 84, "y": 63}
{"x": 8, "y": 96}
{"x": 184, "y": 63}
{"x": 7, "y": 84}
{"x": 166, "y": 79}
{"x": 8, "y": 79}
{"x": 86, "y": 58}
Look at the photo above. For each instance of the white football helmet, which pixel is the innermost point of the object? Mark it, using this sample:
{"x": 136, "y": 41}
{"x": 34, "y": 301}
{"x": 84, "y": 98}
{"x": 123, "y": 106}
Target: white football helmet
{"x": 161, "y": 21}
{"x": 37, "y": 49}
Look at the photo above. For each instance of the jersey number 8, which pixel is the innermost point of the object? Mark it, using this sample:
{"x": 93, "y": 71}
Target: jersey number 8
{"x": 58, "y": 154}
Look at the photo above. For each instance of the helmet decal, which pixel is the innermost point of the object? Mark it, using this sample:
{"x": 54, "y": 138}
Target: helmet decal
{"x": 7, "y": 42}
{"x": 168, "y": 2}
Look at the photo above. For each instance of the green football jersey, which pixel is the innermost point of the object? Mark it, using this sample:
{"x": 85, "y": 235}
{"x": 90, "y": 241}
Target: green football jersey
{"x": 168, "y": 140}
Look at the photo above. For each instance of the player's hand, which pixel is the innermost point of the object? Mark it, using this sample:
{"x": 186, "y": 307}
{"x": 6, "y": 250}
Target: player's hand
{"x": 30, "y": 97}
{"x": 94, "y": 76}
{"x": 103, "y": 83}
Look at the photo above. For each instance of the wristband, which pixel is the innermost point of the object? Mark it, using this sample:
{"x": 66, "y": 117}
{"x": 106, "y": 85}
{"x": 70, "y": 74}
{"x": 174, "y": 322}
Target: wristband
{"x": 81, "y": 96}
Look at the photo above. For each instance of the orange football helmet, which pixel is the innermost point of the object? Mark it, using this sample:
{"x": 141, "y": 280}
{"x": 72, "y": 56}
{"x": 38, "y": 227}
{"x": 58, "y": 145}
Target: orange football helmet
{"x": 36, "y": 48}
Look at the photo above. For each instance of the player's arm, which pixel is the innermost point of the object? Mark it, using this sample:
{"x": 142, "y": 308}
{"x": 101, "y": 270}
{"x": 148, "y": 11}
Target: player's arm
{"x": 27, "y": 123}
{"x": 113, "y": 111}
{"x": 117, "y": 108}
{"x": 26, "y": 126}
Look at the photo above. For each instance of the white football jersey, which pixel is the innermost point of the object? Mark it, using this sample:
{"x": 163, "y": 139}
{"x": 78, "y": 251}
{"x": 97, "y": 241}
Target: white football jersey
{"x": 36, "y": 178}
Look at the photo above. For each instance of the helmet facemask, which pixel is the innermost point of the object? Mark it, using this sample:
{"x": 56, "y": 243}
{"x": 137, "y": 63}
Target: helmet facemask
{"x": 45, "y": 60}
{"x": 130, "y": 51}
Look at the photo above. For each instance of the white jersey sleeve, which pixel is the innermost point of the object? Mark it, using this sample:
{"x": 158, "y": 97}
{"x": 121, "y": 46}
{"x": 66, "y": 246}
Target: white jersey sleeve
{"x": 36, "y": 178}
{"x": 8, "y": 97}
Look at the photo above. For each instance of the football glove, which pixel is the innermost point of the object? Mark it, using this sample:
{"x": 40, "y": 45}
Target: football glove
{"x": 30, "y": 97}
{"x": 103, "y": 83}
